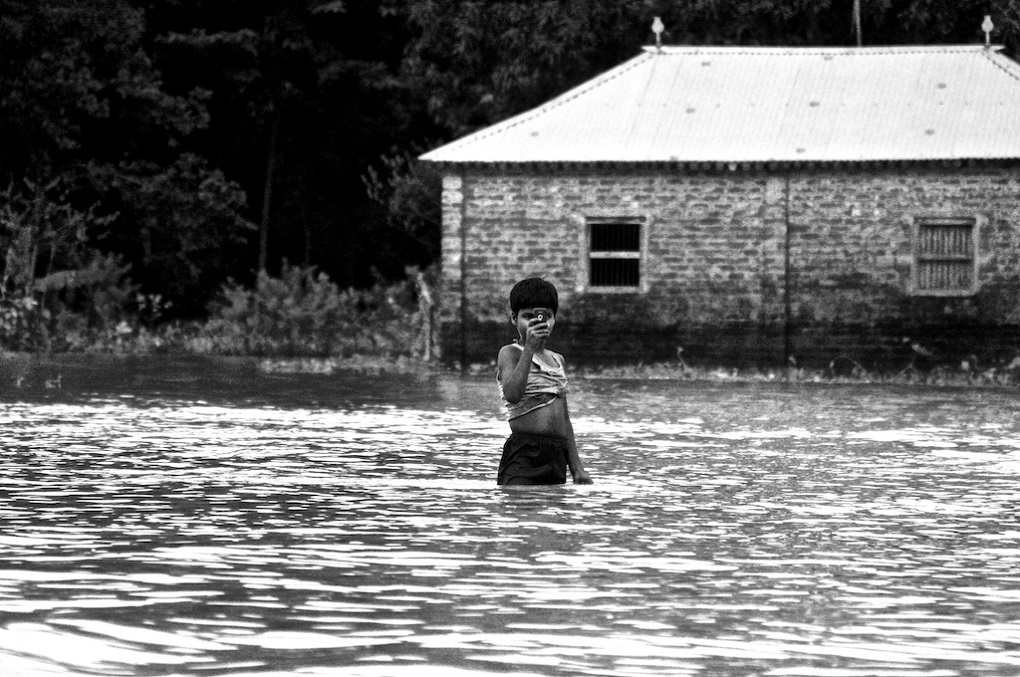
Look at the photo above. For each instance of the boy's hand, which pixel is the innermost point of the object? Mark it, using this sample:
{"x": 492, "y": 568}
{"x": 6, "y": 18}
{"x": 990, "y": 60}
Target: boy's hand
{"x": 582, "y": 478}
{"x": 538, "y": 332}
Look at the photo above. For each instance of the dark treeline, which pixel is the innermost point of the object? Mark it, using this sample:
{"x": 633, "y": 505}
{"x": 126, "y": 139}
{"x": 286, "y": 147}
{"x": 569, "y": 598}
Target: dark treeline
{"x": 152, "y": 150}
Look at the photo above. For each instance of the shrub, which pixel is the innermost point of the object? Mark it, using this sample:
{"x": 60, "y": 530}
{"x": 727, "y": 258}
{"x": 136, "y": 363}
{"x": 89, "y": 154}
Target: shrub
{"x": 55, "y": 289}
{"x": 303, "y": 313}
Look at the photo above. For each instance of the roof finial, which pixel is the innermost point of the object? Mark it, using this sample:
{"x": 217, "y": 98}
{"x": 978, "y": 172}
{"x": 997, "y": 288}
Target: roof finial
{"x": 987, "y": 27}
{"x": 657, "y": 28}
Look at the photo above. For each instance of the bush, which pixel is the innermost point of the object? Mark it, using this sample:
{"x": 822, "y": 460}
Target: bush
{"x": 303, "y": 313}
{"x": 68, "y": 310}
{"x": 56, "y": 290}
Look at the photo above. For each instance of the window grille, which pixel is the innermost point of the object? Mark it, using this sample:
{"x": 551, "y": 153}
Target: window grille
{"x": 944, "y": 256}
{"x": 615, "y": 255}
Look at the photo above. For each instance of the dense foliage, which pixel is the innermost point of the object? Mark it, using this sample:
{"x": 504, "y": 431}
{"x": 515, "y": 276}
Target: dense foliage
{"x": 154, "y": 150}
{"x": 302, "y": 312}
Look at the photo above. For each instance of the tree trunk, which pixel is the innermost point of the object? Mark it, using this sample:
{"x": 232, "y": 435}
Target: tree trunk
{"x": 308, "y": 232}
{"x": 267, "y": 193}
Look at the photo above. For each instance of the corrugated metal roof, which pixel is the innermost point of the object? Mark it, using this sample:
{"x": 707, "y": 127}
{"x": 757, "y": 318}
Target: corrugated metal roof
{"x": 768, "y": 104}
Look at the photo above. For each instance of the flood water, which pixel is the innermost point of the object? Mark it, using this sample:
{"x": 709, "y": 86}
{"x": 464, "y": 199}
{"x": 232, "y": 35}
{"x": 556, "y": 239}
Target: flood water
{"x": 198, "y": 517}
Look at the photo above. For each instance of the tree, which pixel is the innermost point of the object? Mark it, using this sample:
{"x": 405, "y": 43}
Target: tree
{"x": 265, "y": 55}
{"x": 1008, "y": 14}
{"x": 472, "y": 62}
{"x": 410, "y": 192}
{"x": 86, "y": 115}
{"x": 179, "y": 223}
{"x": 301, "y": 106}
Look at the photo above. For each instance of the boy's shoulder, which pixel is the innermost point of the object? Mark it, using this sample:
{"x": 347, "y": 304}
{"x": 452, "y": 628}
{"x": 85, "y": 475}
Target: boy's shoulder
{"x": 510, "y": 350}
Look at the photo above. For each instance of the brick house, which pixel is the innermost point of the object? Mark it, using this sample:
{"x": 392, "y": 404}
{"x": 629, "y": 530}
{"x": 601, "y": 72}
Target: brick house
{"x": 750, "y": 205}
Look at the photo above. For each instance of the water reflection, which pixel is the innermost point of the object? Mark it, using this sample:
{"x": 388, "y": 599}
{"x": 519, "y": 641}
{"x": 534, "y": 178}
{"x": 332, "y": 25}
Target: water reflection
{"x": 336, "y": 526}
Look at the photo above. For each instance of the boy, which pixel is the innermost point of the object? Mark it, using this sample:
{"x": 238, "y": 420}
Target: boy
{"x": 533, "y": 387}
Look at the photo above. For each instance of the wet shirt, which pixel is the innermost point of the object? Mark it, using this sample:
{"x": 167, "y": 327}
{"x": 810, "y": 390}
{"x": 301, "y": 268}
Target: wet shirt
{"x": 545, "y": 383}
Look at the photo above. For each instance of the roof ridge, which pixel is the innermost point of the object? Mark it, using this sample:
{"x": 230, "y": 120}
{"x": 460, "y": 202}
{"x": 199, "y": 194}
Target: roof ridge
{"x": 795, "y": 49}
{"x": 1004, "y": 64}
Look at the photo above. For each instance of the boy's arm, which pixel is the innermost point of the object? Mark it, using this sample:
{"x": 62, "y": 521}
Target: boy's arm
{"x": 513, "y": 367}
{"x": 517, "y": 366}
{"x": 577, "y": 470}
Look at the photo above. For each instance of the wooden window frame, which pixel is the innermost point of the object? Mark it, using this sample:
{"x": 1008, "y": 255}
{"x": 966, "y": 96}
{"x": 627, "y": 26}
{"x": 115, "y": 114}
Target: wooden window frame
{"x": 641, "y": 254}
{"x": 918, "y": 258}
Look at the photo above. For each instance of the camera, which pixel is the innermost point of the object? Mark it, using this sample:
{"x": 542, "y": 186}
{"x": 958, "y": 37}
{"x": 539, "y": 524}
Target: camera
{"x": 540, "y": 316}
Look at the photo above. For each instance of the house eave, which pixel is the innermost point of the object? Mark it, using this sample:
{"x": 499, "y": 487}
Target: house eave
{"x": 719, "y": 166}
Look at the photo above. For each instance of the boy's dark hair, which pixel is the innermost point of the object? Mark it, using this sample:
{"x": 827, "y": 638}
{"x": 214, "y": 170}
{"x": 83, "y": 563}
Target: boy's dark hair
{"x": 534, "y": 292}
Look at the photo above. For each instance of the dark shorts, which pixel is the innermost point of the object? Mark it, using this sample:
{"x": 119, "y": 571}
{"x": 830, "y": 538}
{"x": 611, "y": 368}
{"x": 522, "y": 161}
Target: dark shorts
{"x": 533, "y": 459}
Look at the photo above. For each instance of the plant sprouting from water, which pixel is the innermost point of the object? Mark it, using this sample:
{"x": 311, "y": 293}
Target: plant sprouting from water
{"x": 53, "y": 284}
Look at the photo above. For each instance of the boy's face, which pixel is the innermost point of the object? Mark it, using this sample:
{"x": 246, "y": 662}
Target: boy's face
{"x": 528, "y": 316}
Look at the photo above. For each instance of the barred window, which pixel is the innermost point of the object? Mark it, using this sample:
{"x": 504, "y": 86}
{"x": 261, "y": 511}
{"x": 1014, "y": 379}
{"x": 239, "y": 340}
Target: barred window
{"x": 945, "y": 256}
{"x": 614, "y": 254}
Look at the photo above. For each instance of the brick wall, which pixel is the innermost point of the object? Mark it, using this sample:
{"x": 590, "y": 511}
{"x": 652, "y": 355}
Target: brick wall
{"x": 740, "y": 267}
